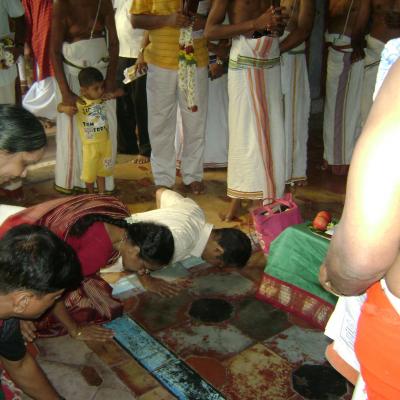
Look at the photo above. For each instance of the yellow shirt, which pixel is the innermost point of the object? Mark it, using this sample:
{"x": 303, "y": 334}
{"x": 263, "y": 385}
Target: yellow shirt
{"x": 164, "y": 42}
{"x": 92, "y": 121}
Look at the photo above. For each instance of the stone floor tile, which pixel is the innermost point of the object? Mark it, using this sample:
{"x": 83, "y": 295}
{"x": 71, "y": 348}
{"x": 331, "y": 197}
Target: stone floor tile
{"x": 113, "y": 394}
{"x": 259, "y": 320}
{"x": 110, "y": 352}
{"x": 220, "y": 341}
{"x": 156, "y": 313}
{"x": 258, "y": 374}
{"x": 159, "y": 393}
{"x": 298, "y": 345}
{"x": 63, "y": 349}
{"x": 135, "y": 377}
{"x": 210, "y": 369}
{"x": 222, "y": 284}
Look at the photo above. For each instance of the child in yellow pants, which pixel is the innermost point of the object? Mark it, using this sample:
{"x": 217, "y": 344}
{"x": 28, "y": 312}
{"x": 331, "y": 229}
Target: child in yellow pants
{"x": 93, "y": 130}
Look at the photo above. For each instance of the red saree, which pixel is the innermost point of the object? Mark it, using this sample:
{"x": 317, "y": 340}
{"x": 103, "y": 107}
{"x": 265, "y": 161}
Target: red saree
{"x": 92, "y": 301}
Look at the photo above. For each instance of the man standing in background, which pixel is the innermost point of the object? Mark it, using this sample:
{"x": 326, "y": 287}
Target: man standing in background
{"x": 131, "y": 108}
{"x": 296, "y": 87}
{"x": 166, "y": 87}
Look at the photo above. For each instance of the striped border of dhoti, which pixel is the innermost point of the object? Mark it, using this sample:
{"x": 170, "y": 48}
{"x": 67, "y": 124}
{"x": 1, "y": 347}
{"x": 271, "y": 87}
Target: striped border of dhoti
{"x": 237, "y": 194}
{"x": 244, "y": 62}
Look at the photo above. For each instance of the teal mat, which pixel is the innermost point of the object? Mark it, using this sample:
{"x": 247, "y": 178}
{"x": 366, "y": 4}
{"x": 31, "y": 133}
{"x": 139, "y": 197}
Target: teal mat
{"x": 172, "y": 372}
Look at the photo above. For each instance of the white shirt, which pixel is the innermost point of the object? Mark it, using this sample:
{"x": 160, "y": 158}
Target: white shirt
{"x": 186, "y": 221}
{"x": 130, "y": 40}
{"x": 12, "y": 9}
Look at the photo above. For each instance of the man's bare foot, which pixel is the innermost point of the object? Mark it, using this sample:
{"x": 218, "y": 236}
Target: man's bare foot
{"x": 196, "y": 187}
{"x": 141, "y": 159}
{"x": 233, "y": 211}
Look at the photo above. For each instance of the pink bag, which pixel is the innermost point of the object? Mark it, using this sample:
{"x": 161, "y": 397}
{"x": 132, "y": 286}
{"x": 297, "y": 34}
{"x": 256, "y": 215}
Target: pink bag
{"x": 270, "y": 220}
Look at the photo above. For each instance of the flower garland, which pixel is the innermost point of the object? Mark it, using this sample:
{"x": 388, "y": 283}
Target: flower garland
{"x": 187, "y": 67}
{"x": 6, "y": 56}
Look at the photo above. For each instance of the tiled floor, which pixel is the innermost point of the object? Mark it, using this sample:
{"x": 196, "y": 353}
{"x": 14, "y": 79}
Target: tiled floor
{"x": 251, "y": 354}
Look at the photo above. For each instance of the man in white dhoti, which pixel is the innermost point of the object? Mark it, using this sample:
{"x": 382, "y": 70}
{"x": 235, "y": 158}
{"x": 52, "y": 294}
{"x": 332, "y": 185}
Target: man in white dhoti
{"x": 217, "y": 131}
{"x": 256, "y": 160}
{"x": 296, "y": 87}
{"x": 79, "y": 40}
{"x": 381, "y": 20}
{"x": 344, "y": 81}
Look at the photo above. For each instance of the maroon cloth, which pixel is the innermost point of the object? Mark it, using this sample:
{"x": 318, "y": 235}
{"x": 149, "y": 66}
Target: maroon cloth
{"x": 93, "y": 300}
{"x": 94, "y": 248}
{"x": 38, "y": 14}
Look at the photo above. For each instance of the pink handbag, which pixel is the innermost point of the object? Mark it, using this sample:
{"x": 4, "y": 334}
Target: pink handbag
{"x": 270, "y": 220}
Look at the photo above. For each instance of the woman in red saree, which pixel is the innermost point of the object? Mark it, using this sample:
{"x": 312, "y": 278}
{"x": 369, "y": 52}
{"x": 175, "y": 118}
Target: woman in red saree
{"x": 96, "y": 228}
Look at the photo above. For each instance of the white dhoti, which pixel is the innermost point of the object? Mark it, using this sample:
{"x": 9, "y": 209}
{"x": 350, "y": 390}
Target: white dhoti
{"x": 85, "y": 53}
{"x": 372, "y": 59}
{"x": 163, "y": 97}
{"x": 217, "y": 132}
{"x": 342, "y": 119}
{"x": 296, "y": 104}
{"x": 256, "y": 157}
{"x": 40, "y": 99}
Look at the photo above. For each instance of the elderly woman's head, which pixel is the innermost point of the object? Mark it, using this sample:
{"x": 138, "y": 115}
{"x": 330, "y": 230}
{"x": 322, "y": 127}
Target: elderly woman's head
{"x": 22, "y": 142}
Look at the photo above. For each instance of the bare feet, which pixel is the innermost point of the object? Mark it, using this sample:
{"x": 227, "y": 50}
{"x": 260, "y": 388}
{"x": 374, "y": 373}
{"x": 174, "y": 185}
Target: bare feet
{"x": 302, "y": 183}
{"x": 141, "y": 159}
{"x": 196, "y": 187}
{"x": 233, "y": 211}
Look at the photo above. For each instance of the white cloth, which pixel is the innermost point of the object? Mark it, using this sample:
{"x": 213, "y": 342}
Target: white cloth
{"x": 84, "y": 53}
{"x": 6, "y": 211}
{"x": 130, "y": 39}
{"x": 296, "y": 104}
{"x": 186, "y": 221}
{"x": 342, "y": 119}
{"x": 256, "y": 159}
{"x": 163, "y": 96}
{"x": 372, "y": 59}
{"x": 217, "y": 131}
{"x": 12, "y": 9}
{"x": 342, "y": 327}
{"x": 40, "y": 99}
{"x": 390, "y": 55}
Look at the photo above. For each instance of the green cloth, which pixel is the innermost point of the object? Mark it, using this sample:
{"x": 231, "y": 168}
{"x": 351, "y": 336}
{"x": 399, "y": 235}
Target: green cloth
{"x": 295, "y": 257}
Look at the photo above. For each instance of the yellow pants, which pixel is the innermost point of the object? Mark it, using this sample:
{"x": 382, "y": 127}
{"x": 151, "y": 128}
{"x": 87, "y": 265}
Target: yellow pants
{"x": 96, "y": 161}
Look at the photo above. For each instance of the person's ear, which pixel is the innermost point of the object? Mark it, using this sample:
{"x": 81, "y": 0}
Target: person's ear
{"x": 134, "y": 250}
{"x": 219, "y": 250}
{"x": 21, "y": 301}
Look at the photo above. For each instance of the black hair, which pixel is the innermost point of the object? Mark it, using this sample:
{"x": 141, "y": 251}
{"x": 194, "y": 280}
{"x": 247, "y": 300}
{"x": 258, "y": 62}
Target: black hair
{"x": 155, "y": 241}
{"x": 33, "y": 258}
{"x": 88, "y": 76}
{"x": 20, "y": 130}
{"x": 236, "y": 245}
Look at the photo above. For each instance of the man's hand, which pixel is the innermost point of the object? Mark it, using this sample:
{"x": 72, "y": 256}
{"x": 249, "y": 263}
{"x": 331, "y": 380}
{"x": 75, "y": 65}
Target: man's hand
{"x": 28, "y": 330}
{"x": 216, "y": 70}
{"x": 92, "y": 332}
{"x": 272, "y": 19}
{"x": 160, "y": 287}
{"x": 69, "y": 101}
{"x": 178, "y": 20}
{"x": 109, "y": 89}
{"x": 357, "y": 54}
{"x": 199, "y": 23}
{"x": 324, "y": 280}
{"x": 140, "y": 65}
